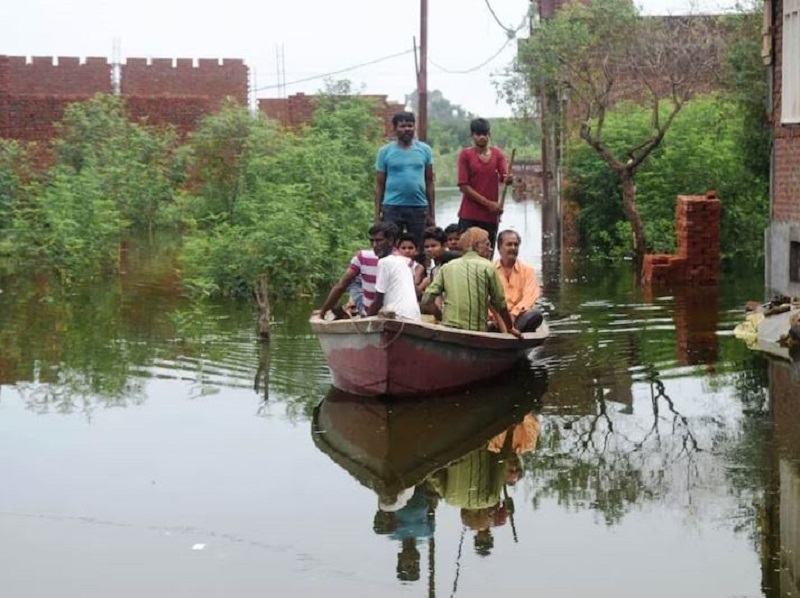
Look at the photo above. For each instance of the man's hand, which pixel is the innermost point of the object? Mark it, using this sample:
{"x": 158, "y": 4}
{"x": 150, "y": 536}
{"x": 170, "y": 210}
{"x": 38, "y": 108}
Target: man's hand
{"x": 495, "y": 208}
{"x": 509, "y": 179}
{"x": 430, "y": 220}
{"x": 515, "y": 332}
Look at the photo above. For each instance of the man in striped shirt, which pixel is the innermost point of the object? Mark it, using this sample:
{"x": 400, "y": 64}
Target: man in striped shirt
{"x": 469, "y": 285}
{"x": 361, "y": 273}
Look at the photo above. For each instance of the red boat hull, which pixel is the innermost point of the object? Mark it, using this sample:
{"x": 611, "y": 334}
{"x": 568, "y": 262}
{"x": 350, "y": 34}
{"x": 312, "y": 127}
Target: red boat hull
{"x": 374, "y": 356}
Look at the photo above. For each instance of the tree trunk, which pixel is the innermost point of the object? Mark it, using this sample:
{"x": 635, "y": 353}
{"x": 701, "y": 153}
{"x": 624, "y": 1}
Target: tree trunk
{"x": 632, "y": 213}
{"x": 262, "y": 300}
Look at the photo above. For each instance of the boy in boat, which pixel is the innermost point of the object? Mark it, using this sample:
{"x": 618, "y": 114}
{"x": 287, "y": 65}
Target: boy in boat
{"x": 453, "y": 232}
{"x": 481, "y": 169}
{"x": 470, "y": 284}
{"x": 407, "y": 247}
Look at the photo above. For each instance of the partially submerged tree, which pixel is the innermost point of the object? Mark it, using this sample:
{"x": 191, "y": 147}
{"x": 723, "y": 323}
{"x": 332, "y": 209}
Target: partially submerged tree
{"x": 591, "y": 56}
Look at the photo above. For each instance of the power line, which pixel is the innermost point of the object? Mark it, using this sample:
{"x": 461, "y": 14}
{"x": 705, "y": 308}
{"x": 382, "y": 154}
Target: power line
{"x": 511, "y": 32}
{"x": 476, "y": 67}
{"x": 340, "y": 71}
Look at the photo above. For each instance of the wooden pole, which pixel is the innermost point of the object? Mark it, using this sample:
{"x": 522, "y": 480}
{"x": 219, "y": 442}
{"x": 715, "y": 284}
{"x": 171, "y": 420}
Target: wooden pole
{"x": 262, "y": 300}
{"x": 422, "y": 78}
{"x": 506, "y": 184}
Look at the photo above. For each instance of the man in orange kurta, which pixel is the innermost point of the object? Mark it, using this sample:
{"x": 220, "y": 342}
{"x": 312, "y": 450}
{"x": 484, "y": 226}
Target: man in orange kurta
{"x": 519, "y": 283}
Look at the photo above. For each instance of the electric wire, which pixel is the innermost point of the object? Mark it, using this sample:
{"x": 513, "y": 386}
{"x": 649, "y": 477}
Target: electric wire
{"x": 338, "y": 72}
{"x": 510, "y": 32}
{"x": 474, "y": 68}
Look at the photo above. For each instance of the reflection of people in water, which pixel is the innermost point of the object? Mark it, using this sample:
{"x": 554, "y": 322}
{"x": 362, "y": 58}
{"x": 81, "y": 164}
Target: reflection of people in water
{"x": 524, "y": 437}
{"x": 475, "y": 482}
{"x": 407, "y": 517}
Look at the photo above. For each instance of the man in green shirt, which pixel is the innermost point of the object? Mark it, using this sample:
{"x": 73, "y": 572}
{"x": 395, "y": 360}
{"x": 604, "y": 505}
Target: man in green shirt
{"x": 469, "y": 284}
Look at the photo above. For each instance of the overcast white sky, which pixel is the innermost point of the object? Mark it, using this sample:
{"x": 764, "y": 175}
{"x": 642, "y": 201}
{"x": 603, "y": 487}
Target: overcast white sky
{"x": 317, "y": 36}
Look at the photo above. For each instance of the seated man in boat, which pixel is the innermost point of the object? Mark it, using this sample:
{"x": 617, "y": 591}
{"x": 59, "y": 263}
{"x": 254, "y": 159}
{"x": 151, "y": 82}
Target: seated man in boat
{"x": 519, "y": 283}
{"x": 470, "y": 284}
{"x": 359, "y": 280}
{"x": 395, "y": 292}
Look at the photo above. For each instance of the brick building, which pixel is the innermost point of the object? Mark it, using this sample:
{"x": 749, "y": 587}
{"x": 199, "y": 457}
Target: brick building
{"x": 781, "y": 53}
{"x": 298, "y": 109}
{"x": 34, "y": 93}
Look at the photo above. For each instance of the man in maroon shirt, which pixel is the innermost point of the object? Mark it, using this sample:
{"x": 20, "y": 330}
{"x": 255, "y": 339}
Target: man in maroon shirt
{"x": 481, "y": 169}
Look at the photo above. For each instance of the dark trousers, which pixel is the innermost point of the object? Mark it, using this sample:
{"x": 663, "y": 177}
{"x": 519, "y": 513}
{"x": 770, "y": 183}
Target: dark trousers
{"x": 464, "y": 224}
{"x": 408, "y": 219}
{"x": 529, "y": 321}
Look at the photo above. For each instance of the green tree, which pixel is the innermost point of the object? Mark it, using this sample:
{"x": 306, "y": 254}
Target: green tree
{"x": 296, "y": 203}
{"x": 594, "y": 55}
{"x": 702, "y": 151}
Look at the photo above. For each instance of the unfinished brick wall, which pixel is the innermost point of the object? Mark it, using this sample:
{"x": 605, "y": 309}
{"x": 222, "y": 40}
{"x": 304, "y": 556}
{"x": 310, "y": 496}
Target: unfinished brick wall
{"x": 63, "y": 75}
{"x": 183, "y": 113}
{"x": 34, "y": 93}
{"x": 211, "y": 78}
{"x": 697, "y": 221}
{"x": 298, "y": 110}
{"x": 34, "y": 117}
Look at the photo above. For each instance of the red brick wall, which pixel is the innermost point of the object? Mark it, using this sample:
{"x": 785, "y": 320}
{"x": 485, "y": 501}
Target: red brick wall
{"x": 163, "y": 77}
{"x": 184, "y": 113}
{"x": 33, "y": 117}
{"x": 298, "y": 110}
{"x": 786, "y": 149}
{"x": 33, "y": 95}
{"x": 697, "y": 220}
{"x": 69, "y": 77}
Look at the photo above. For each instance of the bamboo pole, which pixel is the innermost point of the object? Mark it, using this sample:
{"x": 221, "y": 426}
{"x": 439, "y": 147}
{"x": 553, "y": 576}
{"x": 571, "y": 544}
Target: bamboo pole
{"x": 506, "y": 184}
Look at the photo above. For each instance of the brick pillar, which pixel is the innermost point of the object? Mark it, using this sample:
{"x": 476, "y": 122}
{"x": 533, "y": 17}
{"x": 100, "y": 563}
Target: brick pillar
{"x": 697, "y": 228}
{"x": 697, "y": 220}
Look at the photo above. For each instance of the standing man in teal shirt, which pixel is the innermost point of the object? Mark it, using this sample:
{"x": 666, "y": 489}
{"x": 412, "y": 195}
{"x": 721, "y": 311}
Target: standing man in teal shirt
{"x": 404, "y": 192}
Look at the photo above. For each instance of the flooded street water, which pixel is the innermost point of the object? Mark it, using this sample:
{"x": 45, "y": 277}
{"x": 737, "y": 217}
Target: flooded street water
{"x": 151, "y": 447}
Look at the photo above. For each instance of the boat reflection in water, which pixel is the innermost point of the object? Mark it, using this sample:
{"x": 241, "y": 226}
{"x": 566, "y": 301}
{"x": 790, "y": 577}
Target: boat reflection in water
{"x": 462, "y": 450}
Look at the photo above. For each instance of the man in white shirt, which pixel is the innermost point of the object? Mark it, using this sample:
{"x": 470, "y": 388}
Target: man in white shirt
{"x": 394, "y": 282}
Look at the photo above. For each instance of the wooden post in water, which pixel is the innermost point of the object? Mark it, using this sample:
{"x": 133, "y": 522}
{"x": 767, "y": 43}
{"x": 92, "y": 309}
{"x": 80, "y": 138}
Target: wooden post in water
{"x": 262, "y": 300}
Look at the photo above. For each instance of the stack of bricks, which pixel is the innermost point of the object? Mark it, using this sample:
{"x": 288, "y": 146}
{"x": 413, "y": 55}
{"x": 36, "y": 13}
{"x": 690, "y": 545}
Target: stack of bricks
{"x": 697, "y": 229}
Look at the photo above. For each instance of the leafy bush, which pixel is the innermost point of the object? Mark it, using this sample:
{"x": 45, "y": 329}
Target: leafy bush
{"x": 703, "y": 150}
{"x": 109, "y": 175}
{"x": 293, "y": 205}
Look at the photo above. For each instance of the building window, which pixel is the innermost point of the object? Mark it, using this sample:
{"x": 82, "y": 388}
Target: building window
{"x": 794, "y": 261}
{"x": 790, "y": 67}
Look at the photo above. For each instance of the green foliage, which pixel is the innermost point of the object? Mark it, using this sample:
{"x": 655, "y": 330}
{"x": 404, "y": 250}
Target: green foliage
{"x": 745, "y": 84}
{"x": 109, "y": 175}
{"x": 564, "y": 52}
{"x": 17, "y": 181}
{"x": 293, "y": 205}
{"x": 703, "y": 151}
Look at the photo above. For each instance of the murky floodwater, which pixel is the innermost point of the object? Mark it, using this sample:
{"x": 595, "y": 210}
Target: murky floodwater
{"x": 153, "y": 448}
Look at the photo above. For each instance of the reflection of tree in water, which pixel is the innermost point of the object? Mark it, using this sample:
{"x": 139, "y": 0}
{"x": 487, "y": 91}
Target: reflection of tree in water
{"x": 80, "y": 348}
{"x": 751, "y": 449}
{"x": 609, "y": 461}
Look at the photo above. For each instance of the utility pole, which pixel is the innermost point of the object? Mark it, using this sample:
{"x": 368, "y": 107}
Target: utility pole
{"x": 422, "y": 75}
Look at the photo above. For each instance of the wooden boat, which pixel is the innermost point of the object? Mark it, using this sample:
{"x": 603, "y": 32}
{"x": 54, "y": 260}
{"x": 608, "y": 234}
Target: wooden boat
{"x": 378, "y": 356}
{"x": 391, "y": 445}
